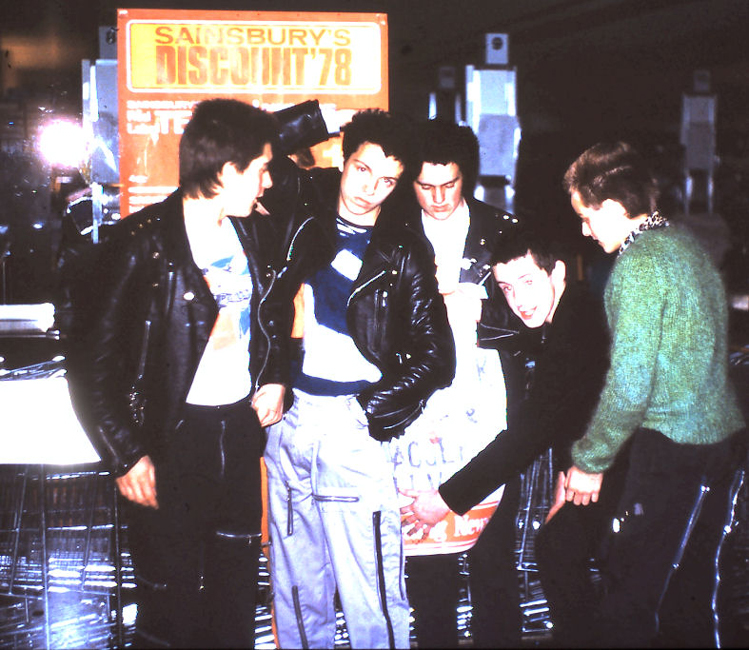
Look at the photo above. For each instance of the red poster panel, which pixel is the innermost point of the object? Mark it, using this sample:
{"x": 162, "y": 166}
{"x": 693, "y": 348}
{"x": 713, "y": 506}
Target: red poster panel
{"x": 168, "y": 60}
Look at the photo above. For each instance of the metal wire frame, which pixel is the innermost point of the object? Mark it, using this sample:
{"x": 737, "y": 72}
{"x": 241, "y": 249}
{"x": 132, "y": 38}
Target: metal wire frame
{"x": 61, "y": 566}
{"x": 66, "y": 577}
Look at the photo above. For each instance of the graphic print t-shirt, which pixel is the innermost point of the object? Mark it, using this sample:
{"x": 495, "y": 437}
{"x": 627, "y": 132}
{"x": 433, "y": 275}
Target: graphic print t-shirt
{"x": 223, "y": 375}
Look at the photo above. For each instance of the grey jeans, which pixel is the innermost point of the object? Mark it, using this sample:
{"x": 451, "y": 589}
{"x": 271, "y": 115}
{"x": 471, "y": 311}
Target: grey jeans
{"x": 334, "y": 524}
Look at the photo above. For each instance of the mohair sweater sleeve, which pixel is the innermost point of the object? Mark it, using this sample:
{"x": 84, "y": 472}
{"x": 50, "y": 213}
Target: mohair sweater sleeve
{"x": 667, "y": 314}
{"x": 634, "y": 297}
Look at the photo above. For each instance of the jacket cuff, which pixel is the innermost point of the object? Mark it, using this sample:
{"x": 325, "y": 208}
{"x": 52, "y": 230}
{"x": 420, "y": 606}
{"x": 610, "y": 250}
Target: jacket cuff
{"x": 451, "y": 496}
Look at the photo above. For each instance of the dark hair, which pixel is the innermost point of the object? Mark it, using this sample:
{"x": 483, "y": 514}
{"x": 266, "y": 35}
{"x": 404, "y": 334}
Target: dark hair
{"x": 221, "y": 131}
{"x": 390, "y": 132}
{"x": 613, "y": 171}
{"x": 519, "y": 243}
{"x": 442, "y": 142}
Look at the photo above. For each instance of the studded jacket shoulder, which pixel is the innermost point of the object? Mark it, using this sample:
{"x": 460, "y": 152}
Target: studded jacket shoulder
{"x": 153, "y": 317}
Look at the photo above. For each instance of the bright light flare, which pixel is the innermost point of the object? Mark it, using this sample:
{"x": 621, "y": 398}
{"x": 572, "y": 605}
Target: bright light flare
{"x": 62, "y": 144}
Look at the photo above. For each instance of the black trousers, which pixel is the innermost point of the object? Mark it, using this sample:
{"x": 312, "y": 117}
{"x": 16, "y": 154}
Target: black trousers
{"x": 659, "y": 560}
{"x": 564, "y": 548}
{"x": 196, "y": 557}
{"x": 433, "y": 583}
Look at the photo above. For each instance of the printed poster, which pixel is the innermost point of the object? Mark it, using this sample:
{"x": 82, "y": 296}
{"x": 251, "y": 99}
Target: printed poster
{"x": 170, "y": 59}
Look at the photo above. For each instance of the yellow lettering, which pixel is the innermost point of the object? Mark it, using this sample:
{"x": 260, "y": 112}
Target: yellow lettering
{"x": 184, "y": 36}
{"x": 342, "y": 37}
{"x": 165, "y": 65}
{"x": 199, "y": 73}
{"x": 297, "y": 34}
{"x": 234, "y": 36}
{"x": 219, "y": 72}
{"x": 163, "y": 35}
{"x": 240, "y": 67}
{"x": 279, "y": 39}
{"x": 213, "y": 36}
{"x": 255, "y": 35}
{"x": 317, "y": 36}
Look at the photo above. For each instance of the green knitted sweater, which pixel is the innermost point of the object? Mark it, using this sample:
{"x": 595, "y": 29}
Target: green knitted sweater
{"x": 667, "y": 311}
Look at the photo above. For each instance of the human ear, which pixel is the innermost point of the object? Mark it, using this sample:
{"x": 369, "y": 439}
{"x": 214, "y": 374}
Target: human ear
{"x": 614, "y": 208}
{"x": 559, "y": 272}
{"x": 228, "y": 171}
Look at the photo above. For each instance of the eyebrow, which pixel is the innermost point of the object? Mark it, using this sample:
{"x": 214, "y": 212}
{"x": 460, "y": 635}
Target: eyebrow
{"x": 359, "y": 161}
{"x": 520, "y": 277}
{"x": 422, "y": 184}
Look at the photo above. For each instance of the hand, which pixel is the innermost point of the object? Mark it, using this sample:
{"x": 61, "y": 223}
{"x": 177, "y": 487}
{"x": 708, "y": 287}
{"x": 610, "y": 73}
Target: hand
{"x": 139, "y": 484}
{"x": 581, "y": 487}
{"x": 559, "y": 497}
{"x": 268, "y": 403}
{"x": 464, "y": 303}
{"x": 427, "y": 509}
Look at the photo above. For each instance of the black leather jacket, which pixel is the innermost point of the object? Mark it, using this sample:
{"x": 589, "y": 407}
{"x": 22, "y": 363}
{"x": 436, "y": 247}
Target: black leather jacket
{"x": 153, "y": 319}
{"x": 499, "y": 328}
{"x": 395, "y": 314}
{"x": 487, "y": 224}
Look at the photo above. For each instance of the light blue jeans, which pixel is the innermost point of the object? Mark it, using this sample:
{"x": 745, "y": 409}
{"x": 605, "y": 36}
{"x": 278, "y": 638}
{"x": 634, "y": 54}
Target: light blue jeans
{"x": 334, "y": 524}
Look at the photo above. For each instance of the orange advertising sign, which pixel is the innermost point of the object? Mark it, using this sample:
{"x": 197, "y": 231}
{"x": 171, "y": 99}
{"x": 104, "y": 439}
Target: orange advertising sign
{"x": 280, "y": 57}
{"x": 454, "y": 533}
{"x": 169, "y": 60}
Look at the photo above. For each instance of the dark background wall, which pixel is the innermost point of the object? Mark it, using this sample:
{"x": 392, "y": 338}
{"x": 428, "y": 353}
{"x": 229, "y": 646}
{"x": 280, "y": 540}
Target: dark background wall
{"x": 586, "y": 70}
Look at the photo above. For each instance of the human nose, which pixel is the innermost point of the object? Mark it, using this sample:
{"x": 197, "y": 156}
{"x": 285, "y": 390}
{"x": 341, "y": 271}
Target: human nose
{"x": 267, "y": 180}
{"x": 438, "y": 194}
{"x": 586, "y": 230}
{"x": 369, "y": 187}
{"x": 521, "y": 296}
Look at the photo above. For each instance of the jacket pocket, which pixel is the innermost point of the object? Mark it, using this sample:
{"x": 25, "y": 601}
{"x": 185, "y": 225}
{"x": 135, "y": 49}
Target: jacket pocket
{"x": 379, "y": 324}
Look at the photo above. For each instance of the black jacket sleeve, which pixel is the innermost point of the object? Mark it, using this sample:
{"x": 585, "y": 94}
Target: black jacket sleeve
{"x": 568, "y": 376}
{"x": 101, "y": 371}
{"x": 425, "y": 349}
{"x": 259, "y": 238}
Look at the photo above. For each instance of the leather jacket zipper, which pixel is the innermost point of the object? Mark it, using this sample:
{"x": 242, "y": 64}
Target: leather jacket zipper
{"x": 144, "y": 350}
{"x": 361, "y": 287}
{"x": 290, "y": 249}
{"x": 263, "y": 300}
{"x": 170, "y": 287}
{"x": 222, "y": 450}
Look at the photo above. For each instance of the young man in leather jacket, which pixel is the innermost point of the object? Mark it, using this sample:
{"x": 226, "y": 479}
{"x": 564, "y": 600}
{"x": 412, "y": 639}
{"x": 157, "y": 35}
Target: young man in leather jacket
{"x": 376, "y": 344}
{"x": 564, "y": 334}
{"x": 181, "y": 367}
{"x": 460, "y": 420}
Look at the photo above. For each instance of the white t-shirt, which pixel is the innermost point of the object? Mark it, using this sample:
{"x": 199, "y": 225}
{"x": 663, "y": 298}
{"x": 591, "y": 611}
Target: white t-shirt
{"x": 460, "y": 420}
{"x": 448, "y": 238}
{"x": 223, "y": 375}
